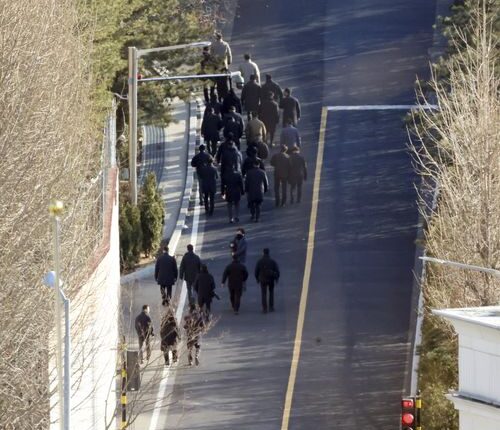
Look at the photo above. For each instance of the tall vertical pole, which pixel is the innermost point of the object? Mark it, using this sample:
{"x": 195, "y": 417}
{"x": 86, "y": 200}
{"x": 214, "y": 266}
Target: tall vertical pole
{"x": 67, "y": 364}
{"x": 123, "y": 397}
{"x": 55, "y": 210}
{"x": 132, "y": 108}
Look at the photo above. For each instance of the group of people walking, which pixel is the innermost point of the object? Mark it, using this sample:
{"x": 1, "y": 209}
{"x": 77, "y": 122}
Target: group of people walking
{"x": 223, "y": 129}
{"x": 219, "y": 158}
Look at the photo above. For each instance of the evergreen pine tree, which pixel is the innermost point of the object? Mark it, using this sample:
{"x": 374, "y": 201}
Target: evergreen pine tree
{"x": 152, "y": 215}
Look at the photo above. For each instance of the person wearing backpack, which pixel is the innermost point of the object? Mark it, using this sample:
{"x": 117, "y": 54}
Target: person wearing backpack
{"x": 267, "y": 272}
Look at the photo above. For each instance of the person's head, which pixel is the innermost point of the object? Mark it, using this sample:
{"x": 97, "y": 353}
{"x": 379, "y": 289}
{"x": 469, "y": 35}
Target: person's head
{"x": 288, "y": 123}
{"x": 230, "y": 137}
{"x": 253, "y": 78}
{"x": 269, "y": 78}
{"x": 295, "y": 148}
{"x": 287, "y": 92}
{"x": 253, "y": 115}
{"x": 251, "y": 151}
{"x": 247, "y": 57}
{"x": 256, "y": 163}
{"x": 213, "y": 98}
{"x": 145, "y": 309}
{"x": 204, "y": 268}
{"x": 165, "y": 249}
{"x": 270, "y": 95}
{"x": 218, "y": 35}
{"x": 232, "y": 108}
{"x": 211, "y": 110}
{"x": 206, "y": 51}
{"x": 210, "y": 161}
{"x": 201, "y": 147}
{"x": 266, "y": 251}
{"x": 284, "y": 148}
{"x": 241, "y": 231}
{"x": 235, "y": 258}
{"x": 190, "y": 248}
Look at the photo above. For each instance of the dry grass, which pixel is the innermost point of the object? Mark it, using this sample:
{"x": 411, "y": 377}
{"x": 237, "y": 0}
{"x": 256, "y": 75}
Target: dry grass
{"x": 48, "y": 150}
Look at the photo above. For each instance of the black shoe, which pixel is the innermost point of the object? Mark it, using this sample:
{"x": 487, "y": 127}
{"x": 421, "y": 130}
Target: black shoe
{"x": 197, "y": 361}
{"x": 236, "y": 312}
{"x": 167, "y": 362}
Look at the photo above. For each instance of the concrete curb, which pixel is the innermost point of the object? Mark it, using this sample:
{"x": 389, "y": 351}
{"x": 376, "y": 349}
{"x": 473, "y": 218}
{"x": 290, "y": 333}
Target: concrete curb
{"x": 148, "y": 271}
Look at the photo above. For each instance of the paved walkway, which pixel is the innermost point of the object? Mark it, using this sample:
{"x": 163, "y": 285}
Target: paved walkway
{"x": 165, "y": 152}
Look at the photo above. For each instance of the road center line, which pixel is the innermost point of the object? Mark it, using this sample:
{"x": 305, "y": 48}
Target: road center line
{"x": 383, "y": 107}
{"x": 167, "y": 371}
{"x": 307, "y": 274}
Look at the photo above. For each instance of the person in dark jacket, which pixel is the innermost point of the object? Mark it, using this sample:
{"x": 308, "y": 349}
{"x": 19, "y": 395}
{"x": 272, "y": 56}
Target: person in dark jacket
{"x": 193, "y": 326}
{"x": 291, "y": 108}
{"x": 234, "y": 130}
{"x": 169, "y": 333}
{"x": 230, "y": 160}
{"x": 188, "y": 270}
{"x": 239, "y": 246}
{"x": 272, "y": 87}
{"x": 166, "y": 275}
{"x": 250, "y": 160}
{"x": 144, "y": 329}
{"x": 269, "y": 113}
{"x": 204, "y": 285}
{"x": 281, "y": 164}
{"x": 209, "y": 175}
{"x": 199, "y": 161}
{"x": 298, "y": 173}
{"x": 290, "y": 136}
{"x": 235, "y": 274}
{"x": 256, "y": 184}
{"x": 234, "y": 190}
{"x": 250, "y": 96}
{"x": 267, "y": 273}
{"x": 210, "y": 128}
{"x": 231, "y": 100}
{"x": 232, "y": 113}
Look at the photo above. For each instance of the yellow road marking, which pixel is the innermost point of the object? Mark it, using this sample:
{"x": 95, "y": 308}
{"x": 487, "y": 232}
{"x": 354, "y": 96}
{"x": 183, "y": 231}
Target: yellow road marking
{"x": 307, "y": 274}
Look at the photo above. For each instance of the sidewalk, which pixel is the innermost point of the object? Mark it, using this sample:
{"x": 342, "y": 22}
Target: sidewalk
{"x": 167, "y": 152}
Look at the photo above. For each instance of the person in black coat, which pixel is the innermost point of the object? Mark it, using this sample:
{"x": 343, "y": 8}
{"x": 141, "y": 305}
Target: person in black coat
{"x": 250, "y": 96}
{"x": 291, "y": 108}
{"x": 281, "y": 164}
{"x": 237, "y": 117}
{"x": 169, "y": 333}
{"x": 269, "y": 114}
{"x": 204, "y": 285}
{"x": 250, "y": 159}
{"x": 213, "y": 104}
{"x": 234, "y": 190}
{"x": 233, "y": 129}
{"x": 267, "y": 273}
{"x": 235, "y": 274}
{"x": 166, "y": 275}
{"x": 210, "y": 128}
{"x": 144, "y": 329}
{"x": 188, "y": 270}
{"x": 209, "y": 175}
{"x": 231, "y": 100}
{"x": 298, "y": 173}
{"x": 199, "y": 161}
{"x": 229, "y": 159}
{"x": 256, "y": 185}
{"x": 272, "y": 87}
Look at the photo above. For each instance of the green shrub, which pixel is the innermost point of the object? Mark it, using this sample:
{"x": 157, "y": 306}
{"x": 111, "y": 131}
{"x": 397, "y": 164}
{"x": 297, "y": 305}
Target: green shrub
{"x": 152, "y": 215}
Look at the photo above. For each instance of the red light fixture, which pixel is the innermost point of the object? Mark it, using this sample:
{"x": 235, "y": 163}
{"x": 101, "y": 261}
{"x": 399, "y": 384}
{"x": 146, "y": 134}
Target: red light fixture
{"x": 407, "y": 419}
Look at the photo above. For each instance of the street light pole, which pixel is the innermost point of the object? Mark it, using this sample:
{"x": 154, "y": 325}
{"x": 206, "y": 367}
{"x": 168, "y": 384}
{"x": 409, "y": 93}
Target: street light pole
{"x": 132, "y": 108}
{"x": 133, "y": 55}
{"x": 56, "y": 208}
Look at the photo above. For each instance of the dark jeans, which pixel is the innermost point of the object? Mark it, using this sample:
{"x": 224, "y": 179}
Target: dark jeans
{"x": 271, "y": 130}
{"x": 211, "y": 144}
{"x": 255, "y": 208}
{"x": 204, "y": 302}
{"x": 144, "y": 341}
{"x": 200, "y": 194}
{"x": 166, "y": 297}
{"x": 189, "y": 286}
{"x": 168, "y": 348}
{"x": 236, "y": 206}
{"x": 297, "y": 184}
{"x": 235, "y": 296}
{"x": 208, "y": 199}
{"x": 264, "y": 287}
{"x": 280, "y": 183}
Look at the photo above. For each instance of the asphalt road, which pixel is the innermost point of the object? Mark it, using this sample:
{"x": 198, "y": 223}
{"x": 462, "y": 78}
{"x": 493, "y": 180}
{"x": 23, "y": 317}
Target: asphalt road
{"x": 356, "y": 329}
